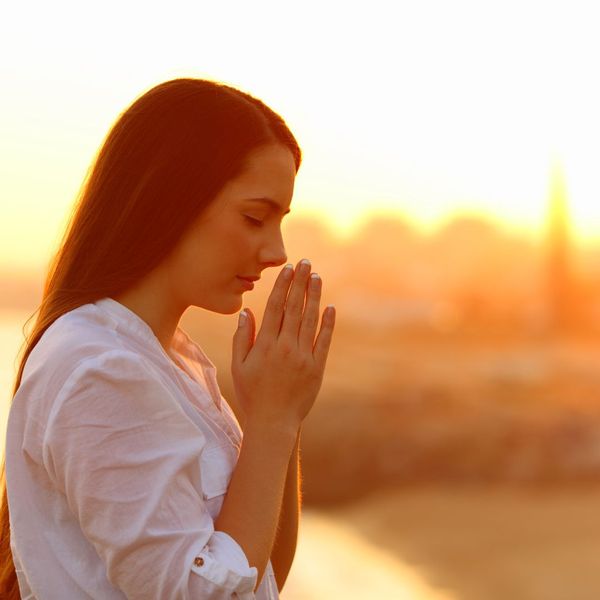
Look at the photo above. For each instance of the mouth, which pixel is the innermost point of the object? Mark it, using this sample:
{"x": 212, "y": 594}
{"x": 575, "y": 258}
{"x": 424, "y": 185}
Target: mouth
{"x": 246, "y": 282}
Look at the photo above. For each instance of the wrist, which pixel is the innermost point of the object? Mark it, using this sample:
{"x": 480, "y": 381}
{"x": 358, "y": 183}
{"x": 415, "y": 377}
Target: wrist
{"x": 289, "y": 432}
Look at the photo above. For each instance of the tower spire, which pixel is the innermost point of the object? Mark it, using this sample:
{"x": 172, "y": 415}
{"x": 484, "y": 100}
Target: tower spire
{"x": 560, "y": 292}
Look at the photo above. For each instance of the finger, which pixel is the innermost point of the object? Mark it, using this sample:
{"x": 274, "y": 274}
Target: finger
{"x": 271, "y": 322}
{"x": 252, "y": 323}
{"x": 324, "y": 338}
{"x": 310, "y": 319}
{"x": 295, "y": 301}
{"x": 243, "y": 338}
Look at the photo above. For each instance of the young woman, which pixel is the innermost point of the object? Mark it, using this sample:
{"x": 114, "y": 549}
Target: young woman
{"x": 128, "y": 474}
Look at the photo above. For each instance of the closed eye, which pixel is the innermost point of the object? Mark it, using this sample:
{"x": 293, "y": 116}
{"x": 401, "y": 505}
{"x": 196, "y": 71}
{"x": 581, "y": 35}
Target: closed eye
{"x": 255, "y": 222}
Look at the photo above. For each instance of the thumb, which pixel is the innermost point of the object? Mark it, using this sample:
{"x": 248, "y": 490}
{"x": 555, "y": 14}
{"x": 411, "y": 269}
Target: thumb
{"x": 243, "y": 338}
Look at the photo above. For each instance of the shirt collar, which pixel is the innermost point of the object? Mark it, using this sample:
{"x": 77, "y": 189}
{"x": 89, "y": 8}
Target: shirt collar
{"x": 130, "y": 321}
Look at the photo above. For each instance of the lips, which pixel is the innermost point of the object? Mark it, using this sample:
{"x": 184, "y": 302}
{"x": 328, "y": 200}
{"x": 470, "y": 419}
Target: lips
{"x": 246, "y": 283}
{"x": 249, "y": 277}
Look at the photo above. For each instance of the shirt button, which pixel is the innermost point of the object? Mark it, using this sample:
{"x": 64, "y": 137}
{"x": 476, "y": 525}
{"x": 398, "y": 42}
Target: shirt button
{"x": 198, "y": 561}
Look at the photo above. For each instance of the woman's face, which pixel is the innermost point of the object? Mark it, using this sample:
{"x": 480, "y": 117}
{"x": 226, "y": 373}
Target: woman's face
{"x": 236, "y": 236}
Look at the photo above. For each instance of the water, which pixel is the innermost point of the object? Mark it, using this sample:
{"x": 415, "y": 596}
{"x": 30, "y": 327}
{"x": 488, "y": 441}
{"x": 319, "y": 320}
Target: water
{"x": 334, "y": 561}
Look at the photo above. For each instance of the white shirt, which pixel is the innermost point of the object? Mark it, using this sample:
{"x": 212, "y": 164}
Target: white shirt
{"x": 118, "y": 457}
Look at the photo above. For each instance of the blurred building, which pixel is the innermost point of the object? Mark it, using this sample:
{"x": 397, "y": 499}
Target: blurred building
{"x": 561, "y": 299}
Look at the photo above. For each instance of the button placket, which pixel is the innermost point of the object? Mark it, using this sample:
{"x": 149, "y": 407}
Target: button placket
{"x": 218, "y": 418}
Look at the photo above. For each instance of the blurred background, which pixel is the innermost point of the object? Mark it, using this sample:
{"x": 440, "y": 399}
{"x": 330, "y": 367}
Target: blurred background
{"x": 449, "y": 197}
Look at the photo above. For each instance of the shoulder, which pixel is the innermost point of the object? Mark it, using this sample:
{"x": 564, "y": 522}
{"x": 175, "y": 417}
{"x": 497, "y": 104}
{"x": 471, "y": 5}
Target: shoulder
{"x": 76, "y": 337}
{"x": 112, "y": 364}
{"x": 117, "y": 386}
{"x": 79, "y": 353}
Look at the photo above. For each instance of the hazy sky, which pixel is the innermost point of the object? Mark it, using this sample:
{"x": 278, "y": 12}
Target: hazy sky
{"x": 424, "y": 108}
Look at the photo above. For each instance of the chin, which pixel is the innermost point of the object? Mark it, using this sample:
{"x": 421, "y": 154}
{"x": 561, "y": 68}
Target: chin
{"x": 227, "y": 308}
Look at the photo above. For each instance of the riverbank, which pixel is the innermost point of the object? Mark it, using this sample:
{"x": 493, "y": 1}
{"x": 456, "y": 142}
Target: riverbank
{"x": 464, "y": 543}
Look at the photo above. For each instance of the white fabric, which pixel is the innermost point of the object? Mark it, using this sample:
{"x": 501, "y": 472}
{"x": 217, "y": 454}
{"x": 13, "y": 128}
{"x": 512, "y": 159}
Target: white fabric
{"x": 118, "y": 457}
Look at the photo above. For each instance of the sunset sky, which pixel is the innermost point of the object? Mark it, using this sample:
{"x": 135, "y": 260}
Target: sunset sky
{"x": 425, "y": 109}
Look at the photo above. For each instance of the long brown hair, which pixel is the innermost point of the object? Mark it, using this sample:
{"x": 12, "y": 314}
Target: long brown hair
{"x": 163, "y": 161}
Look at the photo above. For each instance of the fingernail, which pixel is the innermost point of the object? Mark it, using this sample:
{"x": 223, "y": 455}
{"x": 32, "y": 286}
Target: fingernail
{"x": 242, "y": 318}
{"x": 305, "y": 262}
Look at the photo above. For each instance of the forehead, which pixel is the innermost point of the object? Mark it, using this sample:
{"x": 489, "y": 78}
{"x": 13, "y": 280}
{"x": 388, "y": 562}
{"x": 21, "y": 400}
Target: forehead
{"x": 266, "y": 180}
{"x": 267, "y": 165}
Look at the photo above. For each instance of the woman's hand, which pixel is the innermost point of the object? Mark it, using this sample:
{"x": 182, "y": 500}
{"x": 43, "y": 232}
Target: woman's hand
{"x": 277, "y": 376}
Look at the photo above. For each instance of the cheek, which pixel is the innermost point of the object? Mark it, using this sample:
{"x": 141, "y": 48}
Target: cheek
{"x": 223, "y": 256}
{"x": 216, "y": 254}
{"x": 238, "y": 241}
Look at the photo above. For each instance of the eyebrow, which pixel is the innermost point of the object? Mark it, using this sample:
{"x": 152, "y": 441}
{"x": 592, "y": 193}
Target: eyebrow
{"x": 274, "y": 205}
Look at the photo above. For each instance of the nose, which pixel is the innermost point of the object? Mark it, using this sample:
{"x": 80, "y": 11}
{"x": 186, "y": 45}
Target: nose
{"x": 273, "y": 253}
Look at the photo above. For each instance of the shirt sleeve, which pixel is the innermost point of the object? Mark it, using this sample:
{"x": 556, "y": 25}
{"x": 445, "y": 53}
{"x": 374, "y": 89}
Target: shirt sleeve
{"x": 127, "y": 458}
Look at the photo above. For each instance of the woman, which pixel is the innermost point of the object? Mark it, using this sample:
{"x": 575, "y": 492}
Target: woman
{"x": 127, "y": 474}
